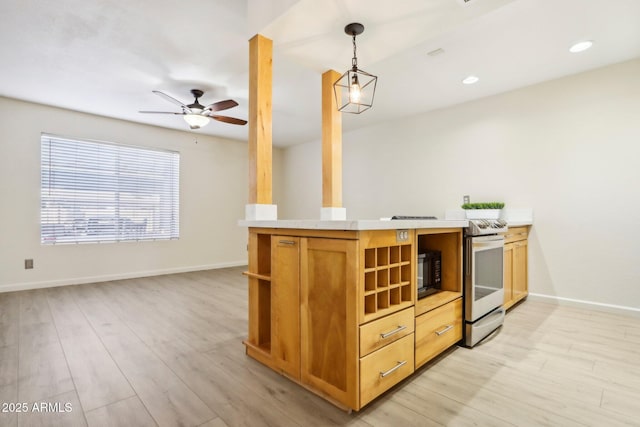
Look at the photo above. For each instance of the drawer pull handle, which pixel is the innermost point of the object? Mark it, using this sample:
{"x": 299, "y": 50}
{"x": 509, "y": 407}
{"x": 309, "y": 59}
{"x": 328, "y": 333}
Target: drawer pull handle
{"x": 447, "y": 329}
{"x": 392, "y": 370}
{"x": 287, "y": 242}
{"x": 395, "y": 331}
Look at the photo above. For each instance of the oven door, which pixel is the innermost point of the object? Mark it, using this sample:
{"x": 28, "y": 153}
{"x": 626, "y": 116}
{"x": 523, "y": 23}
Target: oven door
{"x": 484, "y": 287}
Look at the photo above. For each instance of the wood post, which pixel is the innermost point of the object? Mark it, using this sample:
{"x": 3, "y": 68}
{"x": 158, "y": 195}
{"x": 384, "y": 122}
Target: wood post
{"x": 260, "y": 114}
{"x": 331, "y": 144}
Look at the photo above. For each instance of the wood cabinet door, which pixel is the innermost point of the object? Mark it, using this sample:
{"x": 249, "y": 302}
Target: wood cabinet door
{"x": 520, "y": 287}
{"x": 285, "y": 302}
{"x": 329, "y": 328}
{"x": 508, "y": 273}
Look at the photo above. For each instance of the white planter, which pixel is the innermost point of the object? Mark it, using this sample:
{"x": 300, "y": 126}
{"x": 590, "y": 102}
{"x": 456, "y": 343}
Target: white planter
{"x": 482, "y": 213}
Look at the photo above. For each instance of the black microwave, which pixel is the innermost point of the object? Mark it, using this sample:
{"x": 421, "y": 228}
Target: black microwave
{"x": 429, "y": 273}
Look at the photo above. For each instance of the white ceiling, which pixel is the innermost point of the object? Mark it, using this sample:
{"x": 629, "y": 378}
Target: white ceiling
{"x": 105, "y": 57}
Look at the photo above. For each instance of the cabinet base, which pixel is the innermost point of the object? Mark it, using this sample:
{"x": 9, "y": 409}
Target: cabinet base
{"x": 264, "y": 357}
{"x": 513, "y": 302}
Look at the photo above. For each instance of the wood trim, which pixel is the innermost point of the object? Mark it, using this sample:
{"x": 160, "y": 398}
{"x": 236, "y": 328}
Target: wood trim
{"x": 259, "y": 354}
{"x": 301, "y": 232}
{"x": 421, "y": 231}
{"x": 516, "y": 234}
{"x": 331, "y": 143}
{"x": 260, "y": 117}
{"x": 378, "y": 238}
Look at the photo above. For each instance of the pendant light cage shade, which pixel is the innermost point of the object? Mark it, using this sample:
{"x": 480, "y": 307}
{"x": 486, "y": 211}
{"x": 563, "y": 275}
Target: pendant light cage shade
{"x": 354, "y": 91}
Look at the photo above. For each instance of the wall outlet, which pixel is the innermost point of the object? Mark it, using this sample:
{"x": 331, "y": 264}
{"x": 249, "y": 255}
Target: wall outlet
{"x": 465, "y": 199}
{"x": 402, "y": 235}
{"x": 28, "y": 264}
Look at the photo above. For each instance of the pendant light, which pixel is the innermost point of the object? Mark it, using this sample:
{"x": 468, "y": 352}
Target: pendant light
{"x": 355, "y": 89}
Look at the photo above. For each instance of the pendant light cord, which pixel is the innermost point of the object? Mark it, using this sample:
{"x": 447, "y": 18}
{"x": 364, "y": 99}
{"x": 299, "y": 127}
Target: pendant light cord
{"x": 354, "y": 60}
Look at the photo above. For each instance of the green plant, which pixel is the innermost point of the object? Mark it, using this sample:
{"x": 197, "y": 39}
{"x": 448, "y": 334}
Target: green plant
{"x": 491, "y": 205}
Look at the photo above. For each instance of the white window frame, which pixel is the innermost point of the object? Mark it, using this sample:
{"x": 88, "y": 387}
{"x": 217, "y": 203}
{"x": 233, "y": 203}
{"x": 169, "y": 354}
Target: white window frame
{"x": 95, "y": 192}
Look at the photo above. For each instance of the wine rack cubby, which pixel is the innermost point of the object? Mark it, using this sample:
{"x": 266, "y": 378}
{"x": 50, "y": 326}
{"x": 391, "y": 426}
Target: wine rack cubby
{"x": 387, "y": 280}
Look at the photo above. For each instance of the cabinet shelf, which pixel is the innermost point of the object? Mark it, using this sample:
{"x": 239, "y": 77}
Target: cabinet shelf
{"x": 373, "y": 314}
{"x": 257, "y": 276}
{"x": 386, "y": 267}
{"x": 435, "y": 300}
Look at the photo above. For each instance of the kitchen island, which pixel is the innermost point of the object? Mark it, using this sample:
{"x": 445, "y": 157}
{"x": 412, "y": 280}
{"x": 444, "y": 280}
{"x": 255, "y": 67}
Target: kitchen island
{"x": 332, "y": 304}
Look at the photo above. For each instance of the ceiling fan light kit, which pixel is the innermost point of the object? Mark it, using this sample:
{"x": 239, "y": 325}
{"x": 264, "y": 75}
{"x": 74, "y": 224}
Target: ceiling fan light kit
{"x": 196, "y": 121}
{"x": 355, "y": 89}
{"x": 197, "y": 115}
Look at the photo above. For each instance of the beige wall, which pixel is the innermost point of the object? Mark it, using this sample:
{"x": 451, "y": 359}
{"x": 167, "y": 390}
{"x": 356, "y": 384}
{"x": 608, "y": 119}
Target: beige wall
{"x": 213, "y": 194}
{"x": 568, "y": 148}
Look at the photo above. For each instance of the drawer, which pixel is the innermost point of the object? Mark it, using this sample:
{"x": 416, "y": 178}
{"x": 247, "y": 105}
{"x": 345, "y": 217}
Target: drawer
{"x": 382, "y": 369}
{"x": 386, "y": 330}
{"x": 438, "y": 330}
{"x": 516, "y": 233}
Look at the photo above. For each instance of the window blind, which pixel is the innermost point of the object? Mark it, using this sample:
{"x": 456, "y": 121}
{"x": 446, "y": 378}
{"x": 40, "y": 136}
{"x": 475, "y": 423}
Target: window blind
{"x": 103, "y": 192}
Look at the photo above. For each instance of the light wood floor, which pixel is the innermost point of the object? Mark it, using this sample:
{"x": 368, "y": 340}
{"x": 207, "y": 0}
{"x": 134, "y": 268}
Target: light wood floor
{"x": 168, "y": 350}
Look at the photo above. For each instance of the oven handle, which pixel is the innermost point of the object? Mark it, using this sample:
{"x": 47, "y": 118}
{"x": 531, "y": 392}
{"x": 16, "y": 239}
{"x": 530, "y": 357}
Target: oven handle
{"x": 488, "y": 244}
{"x": 468, "y": 259}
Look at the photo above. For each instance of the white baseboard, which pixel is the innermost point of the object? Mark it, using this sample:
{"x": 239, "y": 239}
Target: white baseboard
{"x": 108, "y": 277}
{"x": 591, "y": 305}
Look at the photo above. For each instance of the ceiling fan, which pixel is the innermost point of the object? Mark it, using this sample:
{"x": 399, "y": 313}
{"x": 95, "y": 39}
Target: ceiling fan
{"x": 197, "y": 115}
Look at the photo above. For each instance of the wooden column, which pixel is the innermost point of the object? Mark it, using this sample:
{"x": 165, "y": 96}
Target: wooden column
{"x": 331, "y": 144}
{"x": 260, "y": 94}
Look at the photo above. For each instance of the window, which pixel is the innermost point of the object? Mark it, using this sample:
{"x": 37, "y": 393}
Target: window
{"x": 101, "y": 192}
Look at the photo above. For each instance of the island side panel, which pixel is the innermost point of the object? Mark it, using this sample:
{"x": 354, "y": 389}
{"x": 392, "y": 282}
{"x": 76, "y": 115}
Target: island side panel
{"x": 329, "y": 277}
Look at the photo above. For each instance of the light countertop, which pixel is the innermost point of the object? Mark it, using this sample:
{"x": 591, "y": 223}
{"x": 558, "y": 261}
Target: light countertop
{"x": 519, "y": 223}
{"x": 355, "y": 225}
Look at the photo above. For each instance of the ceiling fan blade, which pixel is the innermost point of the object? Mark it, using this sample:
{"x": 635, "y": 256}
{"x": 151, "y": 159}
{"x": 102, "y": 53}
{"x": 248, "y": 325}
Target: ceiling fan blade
{"x": 161, "y": 112}
{"x": 171, "y": 99}
{"x": 221, "y": 105}
{"x": 231, "y": 120}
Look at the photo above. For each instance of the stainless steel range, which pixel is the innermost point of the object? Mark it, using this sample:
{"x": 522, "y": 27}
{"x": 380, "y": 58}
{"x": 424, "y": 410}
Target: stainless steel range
{"x": 483, "y": 278}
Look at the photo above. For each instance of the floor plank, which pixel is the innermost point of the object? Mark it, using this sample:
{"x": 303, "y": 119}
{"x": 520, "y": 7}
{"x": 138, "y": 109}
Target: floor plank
{"x": 128, "y": 412}
{"x": 9, "y": 318}
{"x": 43, "y": 371}
{"x": 89, "y": 361}
{"x": 234, "y": 402}
{"x": 8, "y": 394}
{"x": 217, "y": 422}
{"x": 164, "y": 395}
{"x": 167, "y": 350}
{"x": 63, "y": 410}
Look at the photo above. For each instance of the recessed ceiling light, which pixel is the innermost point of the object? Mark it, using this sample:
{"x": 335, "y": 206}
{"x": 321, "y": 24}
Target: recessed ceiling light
{"x": 581, "y": 46}
{"x": 469, "y": 80}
